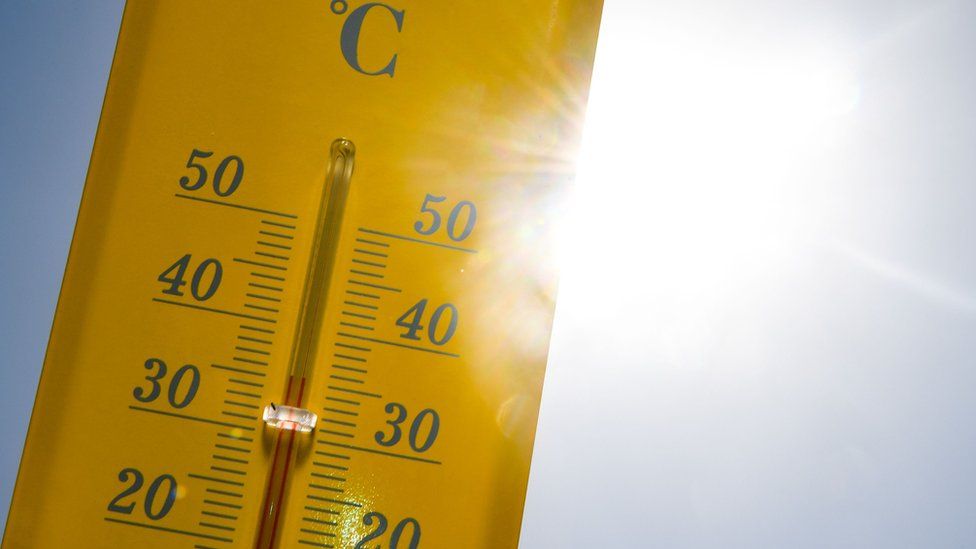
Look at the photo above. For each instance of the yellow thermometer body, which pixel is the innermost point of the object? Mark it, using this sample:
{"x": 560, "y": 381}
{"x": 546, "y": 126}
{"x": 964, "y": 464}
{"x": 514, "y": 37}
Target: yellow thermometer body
{"x": 309, "y": 294}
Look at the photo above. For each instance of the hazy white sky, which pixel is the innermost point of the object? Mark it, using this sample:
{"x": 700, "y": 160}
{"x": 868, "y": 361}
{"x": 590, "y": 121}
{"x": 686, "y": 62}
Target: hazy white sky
{"x": 765, "y": 332}
{"x": 766, "y": 325}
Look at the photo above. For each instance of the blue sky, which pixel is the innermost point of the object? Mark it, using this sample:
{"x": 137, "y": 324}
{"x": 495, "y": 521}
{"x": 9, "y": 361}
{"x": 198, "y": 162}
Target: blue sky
{"x": 764, "y": 335}
{"x": 54, "y": 61}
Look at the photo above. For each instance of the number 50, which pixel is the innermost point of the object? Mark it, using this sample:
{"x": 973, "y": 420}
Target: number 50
{"x": 453, "y": 231}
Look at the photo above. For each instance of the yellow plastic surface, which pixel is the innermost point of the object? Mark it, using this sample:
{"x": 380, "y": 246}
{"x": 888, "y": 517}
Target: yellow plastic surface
{"x": 484, "y": 106}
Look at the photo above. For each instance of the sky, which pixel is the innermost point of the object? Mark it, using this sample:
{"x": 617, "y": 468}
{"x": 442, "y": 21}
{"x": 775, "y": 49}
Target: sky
{"x": 764, "y": 332}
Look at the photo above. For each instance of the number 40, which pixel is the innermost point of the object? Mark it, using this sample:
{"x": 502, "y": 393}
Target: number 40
{"x": 411, "y": 320}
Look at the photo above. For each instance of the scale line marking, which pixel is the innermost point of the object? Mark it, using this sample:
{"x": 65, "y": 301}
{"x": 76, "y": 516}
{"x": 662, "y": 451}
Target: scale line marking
{"x": 354, "y": 391}
{"x": 363, "y": 305}
{"x": 233, "y": 448}
{"x": 273, "y": 256}
{"x": 370, "y": 263}
{"x": 250, "y": 350}
{"x": 383, "y": 244}
{"x": 342, "y": 378}
{"x": 327, "y": 488}
{"x": 254, "y": 339}
{"x": 264, "y": 297}
{"x": 360, "y": 326}
{"x": 223, "y": 504}
{"x": 239, "y": 206}
{"x": 235, "y": 437}
{"x": 170, "y": 530}
{"x": 359, "y": 315}
{"x": 354, "y": 347}
{"x": 262, "y": 308}
{"x": 344, "y": 401}
{"x": 273, "y": 245}
{"x": 265, "y": 287}
{"x": 377, "y": 286}
{"x": 277, "y": 235}
{"x": 250, "y": 361}
{"x": 381, "y": 452}
{"x": 218, "y": 515}
{"x": 216, "y": 526}
{"x": 317, "y": 521}
{"x": 338, "y": 411}
{"x": 277, "y": 224}
{"x": 330, "y": 500}
{"x": 224, "y": 493}
{"x": 337, "y": 433}
{"x": 418, "y": 240}
{"x": 238, "y": 370}
{"x": 317, "y": 532}
{"x": 371, "y": 296}
{"x": 191, "y": 418}
{"x": 367, "y": 252}
{"x": 271, "y": 277}
{"x": 395, "y": 344}
{"x": 248, "y": 383}
{"x": 255, "y": 329}
{"x": 226, "y": 470}
{"x": 350, "y": 368}
{"x": 316, "y": 544}
{"x": 366, "y": 273}
{"x": 212, "y": 310}
{"x": 330, "y": 477}
{"x": 242, "y": 393}
{"x": 337, "y": 422}
{"x": 243, "y": 404}
{"x": 259, "y": 264}
{"x": 242, "y": 416}
{"x": 230, "y": 459}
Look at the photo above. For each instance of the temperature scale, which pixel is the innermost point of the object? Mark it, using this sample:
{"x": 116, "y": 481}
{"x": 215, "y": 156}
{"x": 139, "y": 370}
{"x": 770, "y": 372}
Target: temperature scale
{"x": 309, "y": 294}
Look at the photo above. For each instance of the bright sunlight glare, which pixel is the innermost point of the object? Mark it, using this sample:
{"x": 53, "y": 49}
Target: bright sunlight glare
{"x": 684, "y": 197}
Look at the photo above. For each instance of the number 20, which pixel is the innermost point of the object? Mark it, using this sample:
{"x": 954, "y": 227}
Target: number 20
{"x": 395, "y": 536}
{"x": 164, "y": 482}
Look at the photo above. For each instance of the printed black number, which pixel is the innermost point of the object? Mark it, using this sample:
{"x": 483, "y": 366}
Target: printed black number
{"x": 418, "y": 442}
{"x": 204, "y": 283}
{"x": 164, "y": 485}
{"x": 191, "y": 391}
{"x": 469, "y": 219}
{"x": 456, "y": 229}
{"x": 199, "y": 275}
{"x": 395, "y": 536}
{"x": 412, "y": 321}
{"x": 152, "y": 364}
{"x": 115, "y": 505}
{"x": 394, "y": 437}
{"x": 218, "y": 178}
{"x": 235, "y": 181}
{"x": 368, "y": 520}
{"x": 201, "y": 170}
{"x": 177, "y": 397}
{"x": 167, "y": 484}
{"x": 418, "y": 425}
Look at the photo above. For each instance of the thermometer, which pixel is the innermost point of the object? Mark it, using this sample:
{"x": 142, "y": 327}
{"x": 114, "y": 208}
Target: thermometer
{"x": 310, "y": 289}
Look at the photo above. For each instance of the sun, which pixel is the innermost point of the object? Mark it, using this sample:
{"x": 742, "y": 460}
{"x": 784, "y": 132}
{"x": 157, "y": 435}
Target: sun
{"x": 688, "y": 193}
